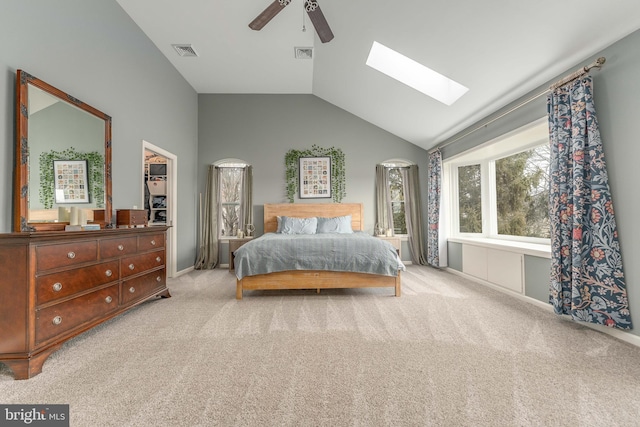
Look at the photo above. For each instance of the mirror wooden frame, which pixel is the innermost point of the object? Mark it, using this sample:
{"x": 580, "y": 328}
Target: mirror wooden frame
{"x": 21, "y": 178}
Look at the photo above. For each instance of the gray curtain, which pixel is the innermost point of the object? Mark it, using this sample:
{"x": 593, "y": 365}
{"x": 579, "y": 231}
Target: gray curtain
{"x": 384, "y": 216}
{"x": 413, "y": 213}
{"x": 246, "y": 203}
{"x": 208, "y": 232}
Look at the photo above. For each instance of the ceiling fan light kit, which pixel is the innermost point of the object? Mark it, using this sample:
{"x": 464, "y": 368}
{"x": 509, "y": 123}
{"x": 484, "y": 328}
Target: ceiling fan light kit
{"x": 310, "y": 6}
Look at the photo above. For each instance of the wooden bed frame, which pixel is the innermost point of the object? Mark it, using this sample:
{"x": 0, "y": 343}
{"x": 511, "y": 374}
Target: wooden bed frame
{"x": 315, "y": 279}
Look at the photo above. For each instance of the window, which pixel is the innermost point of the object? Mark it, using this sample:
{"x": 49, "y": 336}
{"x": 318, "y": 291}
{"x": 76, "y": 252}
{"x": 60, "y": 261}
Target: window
{"x": 391, "y": 195}
{"x": 522, "y": 193}
{"x": 501, "y": 189}
{"x": 396, "y": 197}
{"x": 470, "y": 199}
{"x": 230, "y": 185}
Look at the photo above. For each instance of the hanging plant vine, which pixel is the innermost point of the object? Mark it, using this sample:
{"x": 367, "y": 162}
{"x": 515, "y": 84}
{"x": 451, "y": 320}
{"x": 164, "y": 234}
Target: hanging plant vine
{"x": 95, "y": 174}
{"x": 338, "y": 184}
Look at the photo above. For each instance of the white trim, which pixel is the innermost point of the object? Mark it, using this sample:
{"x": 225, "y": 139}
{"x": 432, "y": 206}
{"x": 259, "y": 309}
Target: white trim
{"x": 172, "y": 207}
{"x": 616, "y": 333}
{"x": 397, "y": 163}
{"x": 485, "y": 155}
{"x": 185, "y": 271}
{"x": 520, "y": 139}
{"x": 623, "y": 336}
{"x": 533, "y": 249}
{"x": 232, "y": 161}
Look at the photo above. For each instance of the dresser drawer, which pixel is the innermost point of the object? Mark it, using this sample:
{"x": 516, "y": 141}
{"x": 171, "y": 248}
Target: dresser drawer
{"x": 111, "y": 248}
{"x": 150, "y": 241}
{"x": 59, "y": 285}
{"x": 57, "y": 319}
{"x": 65, "y": 254}
{"x": 142, "y": 286}
{"x": 140, "y": 263}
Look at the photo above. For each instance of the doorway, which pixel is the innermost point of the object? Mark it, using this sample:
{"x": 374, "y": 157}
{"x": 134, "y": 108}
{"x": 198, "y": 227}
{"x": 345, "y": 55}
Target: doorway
{"x": 159, "y": 182}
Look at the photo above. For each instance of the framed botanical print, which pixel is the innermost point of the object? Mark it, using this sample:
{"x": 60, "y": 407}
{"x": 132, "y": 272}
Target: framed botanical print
{"x": 315, "y": 177}
{"x": 71, "y": 183}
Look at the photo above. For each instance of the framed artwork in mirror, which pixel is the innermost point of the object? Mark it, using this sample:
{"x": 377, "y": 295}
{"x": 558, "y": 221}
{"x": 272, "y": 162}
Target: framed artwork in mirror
{"x": 71, "y": 183}
{"x": 315, "y": 177}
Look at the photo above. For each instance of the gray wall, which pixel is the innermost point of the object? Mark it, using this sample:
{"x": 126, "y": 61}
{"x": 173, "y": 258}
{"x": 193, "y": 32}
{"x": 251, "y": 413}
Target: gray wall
{"x": 260, "y": 129}
{"x": 616, "y": 89}
{"x": 56, "y": 128}
{"x": 92, "y": 50}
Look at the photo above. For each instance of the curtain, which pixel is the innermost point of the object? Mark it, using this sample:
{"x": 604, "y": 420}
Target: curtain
{"x": 433, "y": 206}
{"x": 246, "y": 200}
{"x": 208, "y": 233}
{"x": 246, "y": 204}
{"x": 587, "y": 279}
{"x": 413, "y": 213}
{"x": 384, "y": 216}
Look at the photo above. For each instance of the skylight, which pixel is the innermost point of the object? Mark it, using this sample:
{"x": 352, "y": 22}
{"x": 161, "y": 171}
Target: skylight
{"x": 414, "y": 74}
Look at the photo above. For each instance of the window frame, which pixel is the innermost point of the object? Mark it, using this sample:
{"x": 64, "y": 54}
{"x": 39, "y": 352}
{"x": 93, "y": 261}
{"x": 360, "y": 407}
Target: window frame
{"x": 403, "y": 203}
{"x": 522, "y": 139}
{"x": 230, "y": 164}
{"x": 398, "y": 164}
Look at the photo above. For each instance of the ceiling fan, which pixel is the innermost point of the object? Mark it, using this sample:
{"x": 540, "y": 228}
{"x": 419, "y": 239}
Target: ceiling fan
{"x": 313, "y": 10}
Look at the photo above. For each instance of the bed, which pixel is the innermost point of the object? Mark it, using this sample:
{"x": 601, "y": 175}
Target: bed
{"x": 383, "y": 270}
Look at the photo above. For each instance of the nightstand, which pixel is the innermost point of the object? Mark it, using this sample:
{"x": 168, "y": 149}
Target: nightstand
{"x": 234, "y": 244}
{"x": 395, "y": 241}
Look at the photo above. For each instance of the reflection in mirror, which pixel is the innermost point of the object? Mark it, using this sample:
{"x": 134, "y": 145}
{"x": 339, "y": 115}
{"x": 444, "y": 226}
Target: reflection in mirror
{"x": 63, "y": 159}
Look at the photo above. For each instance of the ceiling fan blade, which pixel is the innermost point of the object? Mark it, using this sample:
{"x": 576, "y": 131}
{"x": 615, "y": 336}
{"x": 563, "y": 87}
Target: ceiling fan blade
{"x": 267, "y": 15}
{"x": 319, "y": 22}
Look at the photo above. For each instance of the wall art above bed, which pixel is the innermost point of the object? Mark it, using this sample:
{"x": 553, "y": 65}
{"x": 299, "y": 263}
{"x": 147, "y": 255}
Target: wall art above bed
{"x": 315, "y": 160}
{"x": 315, "y": 177}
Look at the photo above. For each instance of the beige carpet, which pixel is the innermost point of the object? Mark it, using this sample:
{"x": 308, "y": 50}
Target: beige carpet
{"x": 449, "y": 352}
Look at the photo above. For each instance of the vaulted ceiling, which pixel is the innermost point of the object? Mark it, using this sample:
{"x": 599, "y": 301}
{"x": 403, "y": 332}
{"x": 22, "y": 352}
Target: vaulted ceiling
{"x": 499, "y": 49}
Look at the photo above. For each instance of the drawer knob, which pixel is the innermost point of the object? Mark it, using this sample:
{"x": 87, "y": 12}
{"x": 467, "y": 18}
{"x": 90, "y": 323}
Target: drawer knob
{"x": 132, "y": 289}
{"x": 153, "y": 243}
{"x": 158, "y": 259}
{"x": 120, "y": 248}
{"x": 131, "y": 266}
{"x": 57, "y": 320}
{"x": 158, "y": 279}
{"x": 57, "y": 287}
{"x": 71, "y": 255}
{"x": 109, "y": 273}
{"x": 108, "y": 299}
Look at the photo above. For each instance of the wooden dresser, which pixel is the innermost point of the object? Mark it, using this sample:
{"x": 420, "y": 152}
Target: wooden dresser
{"x": 56, "y": 285}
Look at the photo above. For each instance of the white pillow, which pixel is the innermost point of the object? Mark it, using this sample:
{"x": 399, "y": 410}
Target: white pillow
{"x": 338, "y": 224}
{"x": 298, "y": 225}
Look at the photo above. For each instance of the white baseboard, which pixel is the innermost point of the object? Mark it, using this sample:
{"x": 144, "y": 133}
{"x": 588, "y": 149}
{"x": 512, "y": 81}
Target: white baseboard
{"x": 185, "y": 271}
{"x": 621, "y": 335}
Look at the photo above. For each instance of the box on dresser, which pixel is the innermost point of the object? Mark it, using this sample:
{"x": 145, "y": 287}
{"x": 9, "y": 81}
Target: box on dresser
{"x": 56, "y": 285}
{"x": 131, "y": 218}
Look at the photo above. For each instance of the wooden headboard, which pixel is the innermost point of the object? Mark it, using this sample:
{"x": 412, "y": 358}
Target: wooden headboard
{"x": 307, "y": 210}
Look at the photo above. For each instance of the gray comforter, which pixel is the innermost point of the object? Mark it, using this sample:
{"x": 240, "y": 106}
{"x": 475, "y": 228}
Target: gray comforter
{"x": 356, "y": 252}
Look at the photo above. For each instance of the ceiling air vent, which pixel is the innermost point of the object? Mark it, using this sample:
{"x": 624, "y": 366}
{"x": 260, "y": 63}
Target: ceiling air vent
{"x": 303, "y": 52}
{"x": 184, "y": 49}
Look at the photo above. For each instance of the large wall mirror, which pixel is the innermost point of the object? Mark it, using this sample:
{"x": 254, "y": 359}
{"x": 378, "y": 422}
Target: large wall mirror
{"x": 63, "y": 159}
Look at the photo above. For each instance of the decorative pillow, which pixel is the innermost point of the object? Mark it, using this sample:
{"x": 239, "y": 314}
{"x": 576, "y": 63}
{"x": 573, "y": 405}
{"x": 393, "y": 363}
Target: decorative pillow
{"x": 298, "y": 225}
{"x": 338, "y": 224}
{"x": 279, "y": 229}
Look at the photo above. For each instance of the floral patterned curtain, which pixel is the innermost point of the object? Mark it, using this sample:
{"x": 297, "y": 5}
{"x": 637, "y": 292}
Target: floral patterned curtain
{"x": 433, "y": 204}
{"x": 587, "y": 279}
